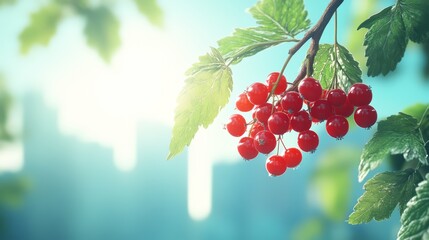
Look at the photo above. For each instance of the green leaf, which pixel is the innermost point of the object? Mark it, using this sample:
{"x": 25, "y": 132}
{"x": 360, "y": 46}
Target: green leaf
{"x": 246, "y": 42}
{"x": 332, "y": 180}
{"x": 385, "y": 41}
{"x": 102, "y": 31}
{"x": 398, "y": 134}
{"x": 42, "y": 27}
{"x": 382, "y": 194}
{"x": 278, "y": 21}
{"x": 374, "y": 18}
{"x": 330, "y": 59}
{"x": 415, "y": 219}
{"x": 281, "y": 17}
{"x": 206, "y": 91}
{"x": 415, "y": 14}
{"x": 151, "y": 10}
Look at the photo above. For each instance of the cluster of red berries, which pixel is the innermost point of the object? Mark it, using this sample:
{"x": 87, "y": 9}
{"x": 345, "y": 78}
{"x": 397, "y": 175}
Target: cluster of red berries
{"x": 271, "y": 120}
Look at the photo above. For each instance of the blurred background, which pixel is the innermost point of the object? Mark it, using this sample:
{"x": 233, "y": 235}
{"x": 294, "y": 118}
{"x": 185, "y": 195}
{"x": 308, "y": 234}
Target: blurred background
{"x": 87, "y": 98}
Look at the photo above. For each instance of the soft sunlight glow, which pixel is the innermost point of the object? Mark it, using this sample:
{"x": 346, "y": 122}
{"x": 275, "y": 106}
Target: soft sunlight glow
{"x": 11, "y": 157}
{"x": 103, "y": 103}
{"x": 199, "y": 179}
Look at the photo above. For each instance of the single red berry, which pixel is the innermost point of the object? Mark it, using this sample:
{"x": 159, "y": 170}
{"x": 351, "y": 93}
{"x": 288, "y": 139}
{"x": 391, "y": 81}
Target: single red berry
{"x": 257, "y": 127}
{"x": 246, "y": 148}
{"x": 281, "y": 86}
{"x": 291, "y": 102}
{"x": 321, "y": 109}
{"x": 336, "y": 97}
{"x": 337, "y": 126}
{"x": 308, "y": 141}
{"x": 265, "y": 142}
{"x": 365, "y": 116}
{"x": 243, "y": 104}
{"x": 310, "y": 89}
{"x": 278, "y": 123}
{"x": 359, "y": 95}
{"x": 293, "y": 157}
{"x": 345, "y": 110}
{"x": 257, "y": 93}
{"x": 236, "y": 125}
{"x": 300, "y": 121}
{"x": 275, "y": 165}
{"x": 263, "y": 112}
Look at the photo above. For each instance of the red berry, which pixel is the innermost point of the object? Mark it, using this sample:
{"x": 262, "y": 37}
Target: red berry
{"x": 365, "y": 116}
{"x": 310, "y": 89}
{"x": 257, "y": 93}
{"x": 281, "y": 86}
{"x": 337, "y": 126}
{"x": 293, "y": 157}
{"x": 359, "y": 95}
{"x": 321, "y": 110}
{"x": 257, "y": 127}
{"x": 337, "y": 97}
{"x": 300, "y": 121}
{"x": 278, "y": 123}
{"x": 236, "y": 125}
{"x": 291, "y": 102}
{"x": 275, "y": 165}
{"x": 246, "y": 148}
{"x": 265, "y": 142}
{"x": 243, "y": 104}
{"x": 345, "y": 110}
{"x": 263, "y": 112}
{"x": 308, "y": 141}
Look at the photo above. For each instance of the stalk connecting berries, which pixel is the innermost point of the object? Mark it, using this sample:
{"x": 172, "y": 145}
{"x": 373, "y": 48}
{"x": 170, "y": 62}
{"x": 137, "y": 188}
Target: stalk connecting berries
{"x": 277, "y": 110}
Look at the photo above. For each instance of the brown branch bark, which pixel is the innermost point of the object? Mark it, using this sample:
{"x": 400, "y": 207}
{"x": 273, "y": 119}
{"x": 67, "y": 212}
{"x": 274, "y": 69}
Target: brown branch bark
{"x": 315, "y": 33}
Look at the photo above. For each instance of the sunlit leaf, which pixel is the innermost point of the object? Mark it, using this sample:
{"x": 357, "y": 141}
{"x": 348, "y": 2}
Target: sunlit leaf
{"x": 206, "y": 91}
{"x": 415, "y": 219}
{"x": 102, "y": 31}
{"x": 279, "y": 21}
{"x": 383, "y": 193}
{"x": 330, "y": 59}
{"x": 42, "y": 27}
{"x": 152, "y": 10}
{"x": 398, "y": 134}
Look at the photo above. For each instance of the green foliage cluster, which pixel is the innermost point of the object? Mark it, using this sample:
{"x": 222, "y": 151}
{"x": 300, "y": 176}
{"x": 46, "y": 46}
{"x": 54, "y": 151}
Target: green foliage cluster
{"x": 101, "y": 24}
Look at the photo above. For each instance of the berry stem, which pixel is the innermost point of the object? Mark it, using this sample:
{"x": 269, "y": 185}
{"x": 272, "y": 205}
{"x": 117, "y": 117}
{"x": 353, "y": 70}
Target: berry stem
{"x": 423, "y": 117}
{"x": 315, "y": 33}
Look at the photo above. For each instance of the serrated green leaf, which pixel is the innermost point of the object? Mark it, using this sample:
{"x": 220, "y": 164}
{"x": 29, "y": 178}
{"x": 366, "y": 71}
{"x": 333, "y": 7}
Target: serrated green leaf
{"x": 246, "y": 42}
{"x": 332, "y": 180}
{"x": 415, "y": 14}
{"x": 42, "y": 27}
{"x": 278, "y": 21}
{"x": 382, "y": 194}
{"x": 385, "y": 41}
{"x": 398, "y": 134}
{"x": 330, "y": 59}
{"x": 151, "y": 10}
{"x": 102, "y": 31}
{"x": 206, "y": 91}
{"x": 374, "y": 18}
{"x": 415, "y": 219}
{"x": 281, "y": 17}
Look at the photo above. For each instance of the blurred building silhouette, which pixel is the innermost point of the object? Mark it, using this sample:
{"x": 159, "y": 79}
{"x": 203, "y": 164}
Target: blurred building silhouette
{"x": 78, "y": 193}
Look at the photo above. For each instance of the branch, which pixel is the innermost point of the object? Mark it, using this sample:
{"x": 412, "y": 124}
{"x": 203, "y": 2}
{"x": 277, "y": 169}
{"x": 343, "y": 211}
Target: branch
{"x": 315, "y": 33}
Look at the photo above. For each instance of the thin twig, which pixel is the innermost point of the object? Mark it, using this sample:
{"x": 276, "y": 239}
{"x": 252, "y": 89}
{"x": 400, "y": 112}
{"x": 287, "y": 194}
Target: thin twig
{"x": 315, "y": 33}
